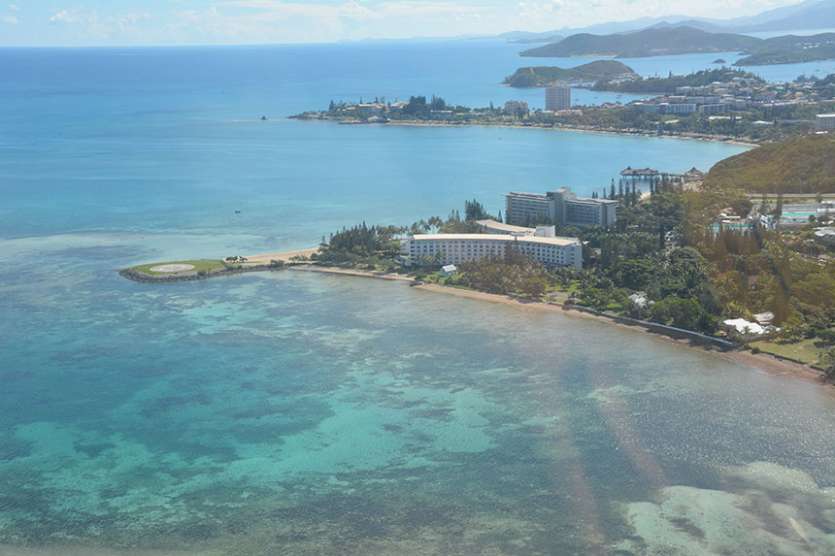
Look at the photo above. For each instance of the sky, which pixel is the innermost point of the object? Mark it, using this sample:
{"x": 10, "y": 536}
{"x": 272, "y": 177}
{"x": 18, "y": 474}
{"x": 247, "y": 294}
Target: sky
{"x": 175, "y": 22}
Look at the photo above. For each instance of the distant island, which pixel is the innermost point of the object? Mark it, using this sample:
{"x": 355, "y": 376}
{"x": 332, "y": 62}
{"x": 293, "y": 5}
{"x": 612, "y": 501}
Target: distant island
{"x": 593, "y": 72}
{"x": 683, "y": 39}
{"x": 649, "y": 42}
{"x": 791, "y": 50}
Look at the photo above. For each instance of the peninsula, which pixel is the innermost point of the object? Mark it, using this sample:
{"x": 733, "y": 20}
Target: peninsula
{"x": 723, "y": 104}
{"x": 686, "y": 255}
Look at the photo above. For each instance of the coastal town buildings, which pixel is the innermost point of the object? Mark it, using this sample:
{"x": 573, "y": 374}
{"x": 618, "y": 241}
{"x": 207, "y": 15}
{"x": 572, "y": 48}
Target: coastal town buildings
{"x": 559, "y": 207}
{"x": 516, "y": 108}
{"x": 557, "y": 97}
{"x": 455, "y": 249}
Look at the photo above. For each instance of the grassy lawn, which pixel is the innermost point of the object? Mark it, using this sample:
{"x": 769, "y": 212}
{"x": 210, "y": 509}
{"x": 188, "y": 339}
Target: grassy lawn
{"x": 207, "y": 265}
{"x": 557, "y": 296}
{"x": 804, "y": 351}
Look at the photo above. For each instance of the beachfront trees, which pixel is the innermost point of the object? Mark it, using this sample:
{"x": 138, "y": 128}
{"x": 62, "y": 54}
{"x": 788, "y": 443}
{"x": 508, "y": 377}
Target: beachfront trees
{"x": 361, "y": 243}
{"x": 512, "y": 274}
{"x": 685, "y": 313}
{"x": 473, "y": 210}
{"x": 828, "y": 363}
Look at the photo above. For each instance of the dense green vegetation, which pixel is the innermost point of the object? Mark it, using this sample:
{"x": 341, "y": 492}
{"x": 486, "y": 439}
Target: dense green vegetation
{"x": 799, "y": 165}
{"x": 515, "y": 274}
{"x": 773, "y": 272}
{"x": 592, "y": 72}
{"x": 668, "y": 85}
{"x": 372, "y": 247}
{"x": 649, "y": 42}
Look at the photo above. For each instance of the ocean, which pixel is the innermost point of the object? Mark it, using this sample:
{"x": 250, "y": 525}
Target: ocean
{"x": 293, "y": 413}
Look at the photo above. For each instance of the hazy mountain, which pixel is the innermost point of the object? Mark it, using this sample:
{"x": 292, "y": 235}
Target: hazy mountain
{"x": 811, "y": 14}
{"x": 649, "y": 42}
{"x": 598, "y": 29}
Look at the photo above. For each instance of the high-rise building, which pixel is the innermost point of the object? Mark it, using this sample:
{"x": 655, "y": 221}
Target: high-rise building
{"x": 557, "y": 97}
{"x": 559, "y": 207}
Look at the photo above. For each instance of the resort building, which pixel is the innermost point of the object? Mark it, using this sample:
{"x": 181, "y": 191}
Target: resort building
{"x": 678, "y": 108}
{"x": 557, "y": 97}
{"x": 559, "y": 207}
{"x": 500, "y": 228}
{"x": 454, "y": 249}
{"x": 527, "y": 208}
{"x": 825, "y": 122}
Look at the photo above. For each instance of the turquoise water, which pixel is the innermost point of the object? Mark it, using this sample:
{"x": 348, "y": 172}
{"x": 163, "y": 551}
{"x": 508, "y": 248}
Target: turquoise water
{"x": 293, "y": 413}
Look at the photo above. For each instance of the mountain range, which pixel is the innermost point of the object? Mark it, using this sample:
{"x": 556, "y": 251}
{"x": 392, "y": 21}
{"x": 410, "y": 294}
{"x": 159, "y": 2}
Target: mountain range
{"x": 810, "y": 14}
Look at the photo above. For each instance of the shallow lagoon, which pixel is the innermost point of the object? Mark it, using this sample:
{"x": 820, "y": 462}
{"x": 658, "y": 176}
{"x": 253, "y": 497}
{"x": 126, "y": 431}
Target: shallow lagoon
{"x": 306, "y": 414}
{"x": 295, "y": 413}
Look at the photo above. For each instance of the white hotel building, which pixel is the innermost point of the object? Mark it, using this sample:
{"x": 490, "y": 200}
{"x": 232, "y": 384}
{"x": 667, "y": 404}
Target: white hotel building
{"x": 463, "y": 248}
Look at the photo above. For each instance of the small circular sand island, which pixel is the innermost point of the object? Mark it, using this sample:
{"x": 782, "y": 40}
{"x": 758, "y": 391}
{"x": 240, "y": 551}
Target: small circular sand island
{"x": 172, "y": 268}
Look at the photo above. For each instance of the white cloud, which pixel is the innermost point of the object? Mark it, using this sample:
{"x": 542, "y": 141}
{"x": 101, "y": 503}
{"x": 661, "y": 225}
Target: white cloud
{"x": 90, "y": 26}
{"x": 9, "y": 20}
{"x": 279, "y": 21}
{"x": 294, "y": 21}
{"x": 68, "y": 16}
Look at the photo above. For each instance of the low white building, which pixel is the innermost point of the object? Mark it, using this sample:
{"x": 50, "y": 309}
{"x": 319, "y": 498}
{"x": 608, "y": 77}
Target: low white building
{"x": 825, "y": 122}
{"x": 825, "y": 235}
{"x": 640, "y": 300}
{"x": 747, "y": 330}
{"x": 500, "y": 228}
{"x": 446, "y": 249}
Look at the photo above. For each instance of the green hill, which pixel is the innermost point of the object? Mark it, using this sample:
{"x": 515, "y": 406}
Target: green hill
{"x": 801, "y": 165}
{"x": 791, "y": 49}
{"x": 649, "y": 42}
{"x": 600, "y": 70}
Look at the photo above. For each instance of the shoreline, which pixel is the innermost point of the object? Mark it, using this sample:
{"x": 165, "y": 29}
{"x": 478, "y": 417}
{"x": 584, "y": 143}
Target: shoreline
{"x": 577, "y": 129}
{"x": 761, "y": 361}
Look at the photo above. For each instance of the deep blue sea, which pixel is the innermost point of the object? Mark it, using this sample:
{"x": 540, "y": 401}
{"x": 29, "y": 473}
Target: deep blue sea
{"x": 293, "y": 413}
